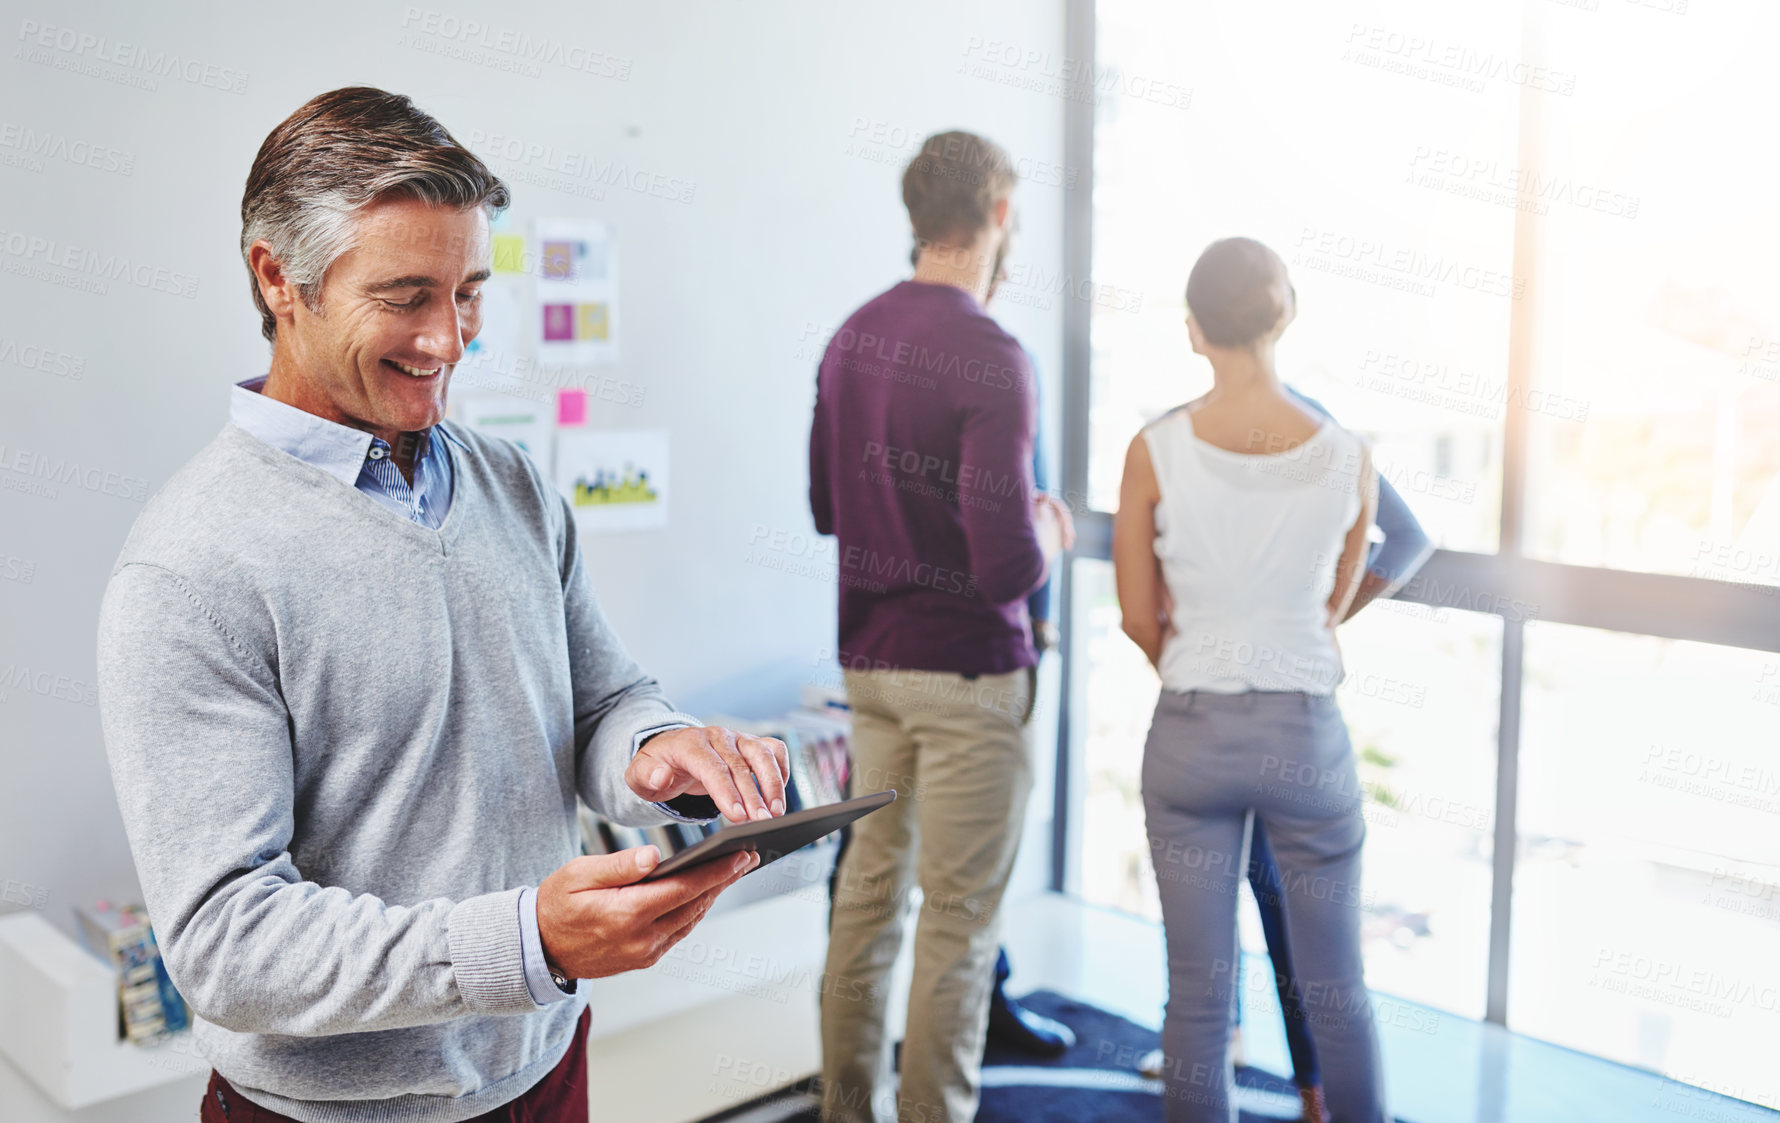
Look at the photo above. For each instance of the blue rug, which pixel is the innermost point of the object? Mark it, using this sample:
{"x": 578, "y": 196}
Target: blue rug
{"x": 1097, "y": 1080}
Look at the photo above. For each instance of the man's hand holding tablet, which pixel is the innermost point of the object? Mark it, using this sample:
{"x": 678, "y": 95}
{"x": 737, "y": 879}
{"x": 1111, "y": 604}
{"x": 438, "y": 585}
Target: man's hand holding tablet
{"x": 593, "y": 917}
{"x": 615, "y": 916}
{"x": 595, "y": 921}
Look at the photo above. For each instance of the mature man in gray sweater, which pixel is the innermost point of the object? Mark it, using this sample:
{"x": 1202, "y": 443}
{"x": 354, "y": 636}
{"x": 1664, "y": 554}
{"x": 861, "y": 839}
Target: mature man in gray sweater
{"x": 353, "y": 676}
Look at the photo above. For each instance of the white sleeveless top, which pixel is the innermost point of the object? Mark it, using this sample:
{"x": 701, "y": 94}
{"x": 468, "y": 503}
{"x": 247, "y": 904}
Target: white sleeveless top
{"x": 1248, "y": 545}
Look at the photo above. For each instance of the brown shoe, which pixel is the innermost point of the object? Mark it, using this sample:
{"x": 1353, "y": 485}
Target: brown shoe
{"x": 1315, "y": 1111}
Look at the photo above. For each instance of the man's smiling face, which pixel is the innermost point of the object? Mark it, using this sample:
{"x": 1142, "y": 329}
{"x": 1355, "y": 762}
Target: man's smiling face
{"x": 397, "y": 312}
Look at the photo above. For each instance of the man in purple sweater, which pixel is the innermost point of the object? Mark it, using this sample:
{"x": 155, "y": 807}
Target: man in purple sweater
{"x": 921, "y": 466}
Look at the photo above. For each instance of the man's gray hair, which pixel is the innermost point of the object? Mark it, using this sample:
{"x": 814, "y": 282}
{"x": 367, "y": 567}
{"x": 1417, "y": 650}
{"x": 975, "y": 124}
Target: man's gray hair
{"x": 332, "y": 158}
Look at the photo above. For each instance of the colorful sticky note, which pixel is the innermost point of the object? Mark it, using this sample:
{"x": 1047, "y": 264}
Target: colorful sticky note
{"x": 509, "y": 253}
{"x": 559, "y": 323}
{"x": 559, "y": 261}
{"x": 571, "y": 407}
{"x": 591, "y": 322}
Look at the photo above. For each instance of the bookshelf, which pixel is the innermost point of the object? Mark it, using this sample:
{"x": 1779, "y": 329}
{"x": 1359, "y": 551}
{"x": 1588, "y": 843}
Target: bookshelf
{"x": 62, "y": 1017}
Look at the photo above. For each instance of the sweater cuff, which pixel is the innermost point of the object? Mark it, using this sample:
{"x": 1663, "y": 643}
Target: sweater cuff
{"x": 661, "y": 723}
{"x": 538, "y": 982}
{"x": 487, "y": 954}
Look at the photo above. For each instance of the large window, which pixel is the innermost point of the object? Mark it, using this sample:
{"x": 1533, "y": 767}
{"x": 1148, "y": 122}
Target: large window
{"x": 1647, "y": 891}
{"x": 1534, "y": 266}
{"x": 1657, "y": 295}
{"x": 1404, "y": 289}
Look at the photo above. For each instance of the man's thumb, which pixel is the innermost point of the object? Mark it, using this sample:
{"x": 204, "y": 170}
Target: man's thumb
{"x": 607, "y": 871}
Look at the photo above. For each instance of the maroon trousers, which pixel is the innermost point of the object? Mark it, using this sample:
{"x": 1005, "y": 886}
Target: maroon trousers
{"x": 561, "y": 1097}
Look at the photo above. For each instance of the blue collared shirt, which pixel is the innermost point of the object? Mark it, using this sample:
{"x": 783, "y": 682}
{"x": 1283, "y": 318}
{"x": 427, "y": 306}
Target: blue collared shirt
{"x": 352, "y": 456}
{"x": 360, "y": 460}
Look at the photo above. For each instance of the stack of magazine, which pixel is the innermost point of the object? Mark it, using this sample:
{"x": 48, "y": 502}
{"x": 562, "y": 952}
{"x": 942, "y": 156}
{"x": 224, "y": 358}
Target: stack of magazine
{"x": 816, "y": 739}
{"x": 149, "y": 1008}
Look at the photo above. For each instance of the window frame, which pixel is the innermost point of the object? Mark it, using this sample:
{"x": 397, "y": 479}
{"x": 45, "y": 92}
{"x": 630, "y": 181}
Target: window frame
{"x": 1506, "y": 583}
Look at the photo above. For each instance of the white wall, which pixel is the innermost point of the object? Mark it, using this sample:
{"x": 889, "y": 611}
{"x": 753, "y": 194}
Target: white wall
{"x": 783, "y": 116}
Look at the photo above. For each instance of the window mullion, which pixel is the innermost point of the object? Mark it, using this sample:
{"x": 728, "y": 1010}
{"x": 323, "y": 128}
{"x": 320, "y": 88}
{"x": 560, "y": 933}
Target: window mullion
{"x": 1078, "y": 261}
{"x": 1515, "y": 422}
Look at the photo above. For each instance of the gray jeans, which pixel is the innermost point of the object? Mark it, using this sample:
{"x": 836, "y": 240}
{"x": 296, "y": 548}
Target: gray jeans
{"x": 1211, "y": 760}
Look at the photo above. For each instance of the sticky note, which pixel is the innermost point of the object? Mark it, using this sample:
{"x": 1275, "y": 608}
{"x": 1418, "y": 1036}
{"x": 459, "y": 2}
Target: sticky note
{"x": 591, "y": 322}
{"x": 571, "y": 407}
{"x": 559, "y": 261}
{"x": 559, "y": 323}
{"x": 509, "y": 253}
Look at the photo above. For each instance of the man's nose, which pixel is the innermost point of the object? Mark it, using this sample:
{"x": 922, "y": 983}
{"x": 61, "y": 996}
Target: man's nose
{"x": 442, "y": 336}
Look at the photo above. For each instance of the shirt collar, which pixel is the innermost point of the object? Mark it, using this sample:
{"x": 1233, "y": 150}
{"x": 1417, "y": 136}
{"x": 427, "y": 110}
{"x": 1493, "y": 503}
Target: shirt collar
{"x": 339, "y": 450}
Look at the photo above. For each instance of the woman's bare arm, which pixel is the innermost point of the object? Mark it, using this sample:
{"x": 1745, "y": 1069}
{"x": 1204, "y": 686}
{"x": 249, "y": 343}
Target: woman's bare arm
{"x": 1143, "y": 596}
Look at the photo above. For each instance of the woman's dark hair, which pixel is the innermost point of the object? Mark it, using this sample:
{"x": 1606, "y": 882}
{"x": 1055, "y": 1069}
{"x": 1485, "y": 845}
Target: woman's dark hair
{"x": 1234, "y": 292}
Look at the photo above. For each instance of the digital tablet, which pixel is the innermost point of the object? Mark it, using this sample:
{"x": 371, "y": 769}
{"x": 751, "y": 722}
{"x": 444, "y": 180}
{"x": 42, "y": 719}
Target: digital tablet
{"x": 772, "y": 839}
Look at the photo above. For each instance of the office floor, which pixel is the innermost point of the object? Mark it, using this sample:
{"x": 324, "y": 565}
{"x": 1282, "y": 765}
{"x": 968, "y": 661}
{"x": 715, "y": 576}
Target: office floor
{"x": 1438, "y": 1068}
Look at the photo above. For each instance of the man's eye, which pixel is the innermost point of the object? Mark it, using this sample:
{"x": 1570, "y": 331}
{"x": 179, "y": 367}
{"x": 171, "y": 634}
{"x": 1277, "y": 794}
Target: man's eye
{"x": 469, "y": 297}
{"x": 412, "y": 302}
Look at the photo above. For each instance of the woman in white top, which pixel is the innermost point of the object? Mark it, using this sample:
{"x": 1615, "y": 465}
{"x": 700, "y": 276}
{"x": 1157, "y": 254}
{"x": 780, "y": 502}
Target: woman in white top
{"x": 1238, "y": 545}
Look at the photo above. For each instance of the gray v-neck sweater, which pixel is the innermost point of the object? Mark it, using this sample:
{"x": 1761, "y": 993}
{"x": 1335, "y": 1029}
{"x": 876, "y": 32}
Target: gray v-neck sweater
{"x": 343, "y": 743}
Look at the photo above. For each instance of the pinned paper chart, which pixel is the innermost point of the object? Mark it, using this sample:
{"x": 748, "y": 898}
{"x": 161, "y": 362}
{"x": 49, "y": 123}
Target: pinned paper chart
{"x": 614, "y": 480}
{"x": 577, "y": 291}
{"x": 493, "y": 358}
{"x": 525, "y": 423}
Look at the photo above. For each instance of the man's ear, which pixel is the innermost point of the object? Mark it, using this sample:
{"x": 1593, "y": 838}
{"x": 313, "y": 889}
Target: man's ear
{"x": 277, "y": 290}
{"x": 1194, "y": 335}
{"x": 1000, "y": 211}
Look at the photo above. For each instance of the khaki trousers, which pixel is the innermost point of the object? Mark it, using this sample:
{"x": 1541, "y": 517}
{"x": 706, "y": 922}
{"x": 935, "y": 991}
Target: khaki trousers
{"x": 959, "y": 754}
